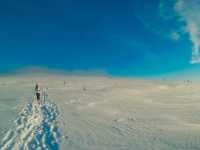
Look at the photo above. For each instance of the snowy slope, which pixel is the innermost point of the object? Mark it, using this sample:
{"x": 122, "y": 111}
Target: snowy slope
{"x": 102, "y": 113}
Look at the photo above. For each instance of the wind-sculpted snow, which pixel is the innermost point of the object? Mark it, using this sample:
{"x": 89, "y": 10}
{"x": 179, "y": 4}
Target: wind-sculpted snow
{"x": 97, "y": 113}
{"x": 35, "y": 128}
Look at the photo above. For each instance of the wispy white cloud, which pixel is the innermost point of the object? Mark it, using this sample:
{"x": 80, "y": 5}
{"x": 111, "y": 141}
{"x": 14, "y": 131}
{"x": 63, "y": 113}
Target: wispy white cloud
{"x": 168, "y": 14}
{"x": 166, "y": 10}
{"x": 157, "y": 17}
{"x": 176, "y": 17}
{"x": 175, "y": 36}
{"x": 188, "y": 12}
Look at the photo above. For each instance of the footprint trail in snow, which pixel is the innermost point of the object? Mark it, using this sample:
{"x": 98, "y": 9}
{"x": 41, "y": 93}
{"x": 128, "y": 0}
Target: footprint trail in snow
{"x": 35, "y": 128}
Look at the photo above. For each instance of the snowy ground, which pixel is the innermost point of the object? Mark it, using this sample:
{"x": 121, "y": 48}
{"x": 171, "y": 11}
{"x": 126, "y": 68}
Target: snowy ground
{"x": 101, "y": 113}
{"x": 35, "y": 128}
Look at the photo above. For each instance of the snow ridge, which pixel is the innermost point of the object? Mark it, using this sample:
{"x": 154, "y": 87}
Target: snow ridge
{"x": 35, "y": 129}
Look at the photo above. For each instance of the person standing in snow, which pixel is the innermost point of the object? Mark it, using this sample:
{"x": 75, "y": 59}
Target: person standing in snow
{"x": 37, "y": 93}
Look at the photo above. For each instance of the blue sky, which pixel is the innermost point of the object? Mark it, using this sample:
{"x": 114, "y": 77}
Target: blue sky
{"x": 129, "y": 37}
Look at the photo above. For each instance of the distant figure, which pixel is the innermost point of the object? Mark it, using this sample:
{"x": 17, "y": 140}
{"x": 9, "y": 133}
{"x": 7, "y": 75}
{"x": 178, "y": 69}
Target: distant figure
{"x": 37, "y": 92}
{"x": 84, "y": 88}
{"x": 45, "y": 95}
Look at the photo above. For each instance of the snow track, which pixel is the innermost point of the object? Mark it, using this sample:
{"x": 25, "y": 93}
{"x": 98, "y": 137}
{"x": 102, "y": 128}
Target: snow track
{"x": 35, "y": 129}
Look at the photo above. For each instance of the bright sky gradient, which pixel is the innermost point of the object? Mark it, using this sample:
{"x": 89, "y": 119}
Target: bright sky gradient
{"x": 127, "y": 37}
